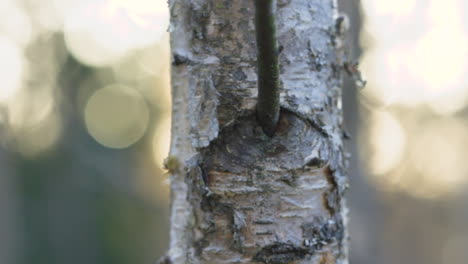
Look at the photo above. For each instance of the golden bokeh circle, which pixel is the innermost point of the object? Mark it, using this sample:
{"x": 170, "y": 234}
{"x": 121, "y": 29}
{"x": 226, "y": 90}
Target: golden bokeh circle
{"x": 116, "y": 116}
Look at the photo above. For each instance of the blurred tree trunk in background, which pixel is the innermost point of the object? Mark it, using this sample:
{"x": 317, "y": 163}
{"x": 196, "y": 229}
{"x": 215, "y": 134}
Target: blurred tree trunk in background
{"x": 362, "y": 198}
{"x": 239, "y": 196}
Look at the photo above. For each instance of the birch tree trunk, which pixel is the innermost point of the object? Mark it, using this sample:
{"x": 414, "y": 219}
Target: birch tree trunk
{"x": 239, "y": 196}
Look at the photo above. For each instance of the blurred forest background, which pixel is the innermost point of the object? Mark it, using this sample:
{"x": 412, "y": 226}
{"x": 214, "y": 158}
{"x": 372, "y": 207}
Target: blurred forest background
{"x": 85, "y": 119}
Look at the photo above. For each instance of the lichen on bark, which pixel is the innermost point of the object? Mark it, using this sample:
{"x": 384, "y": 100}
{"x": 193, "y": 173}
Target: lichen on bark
{"x": 241, "y": 196}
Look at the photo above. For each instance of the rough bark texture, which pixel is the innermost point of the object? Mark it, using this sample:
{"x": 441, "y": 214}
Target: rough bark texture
{"x": 239, "y": 196}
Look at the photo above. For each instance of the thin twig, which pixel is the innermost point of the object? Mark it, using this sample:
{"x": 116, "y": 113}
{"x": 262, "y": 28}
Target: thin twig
{"x": 268, "y": 106}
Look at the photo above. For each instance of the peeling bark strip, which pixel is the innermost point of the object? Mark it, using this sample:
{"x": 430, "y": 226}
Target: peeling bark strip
{"x": 240, "y": 196}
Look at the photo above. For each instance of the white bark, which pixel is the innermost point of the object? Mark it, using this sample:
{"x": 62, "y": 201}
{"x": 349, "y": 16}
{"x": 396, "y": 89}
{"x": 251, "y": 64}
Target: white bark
{"x": 239, "y": 196}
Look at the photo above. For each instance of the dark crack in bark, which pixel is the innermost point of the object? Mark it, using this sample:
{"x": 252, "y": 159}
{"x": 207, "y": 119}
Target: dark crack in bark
{"x": 281, "y": 253}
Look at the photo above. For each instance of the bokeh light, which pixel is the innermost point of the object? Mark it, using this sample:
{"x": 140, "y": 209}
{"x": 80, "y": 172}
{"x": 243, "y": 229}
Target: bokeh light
{"x": 15, "y": 23}
{"x": 11, "y": 67}
{"x": 37, "y": 138}
{"x": 116, "y": 116}
{"x": 102, "y": 32}
{"x": 161, "y": 141}
{"x": 417, "y": 159}
{"x": 424, "y": 64}
{"x": 438, "y": 156}
{"x": 30, "y": 108}
{"x": 396, "y": 7}
{"x": 83, "y": 82}
{"x": 415, "y": 62}
{"x": 387, "y": 142}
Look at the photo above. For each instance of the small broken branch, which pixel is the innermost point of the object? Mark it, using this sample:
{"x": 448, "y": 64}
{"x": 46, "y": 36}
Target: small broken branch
{"x": 268, "y": 105}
